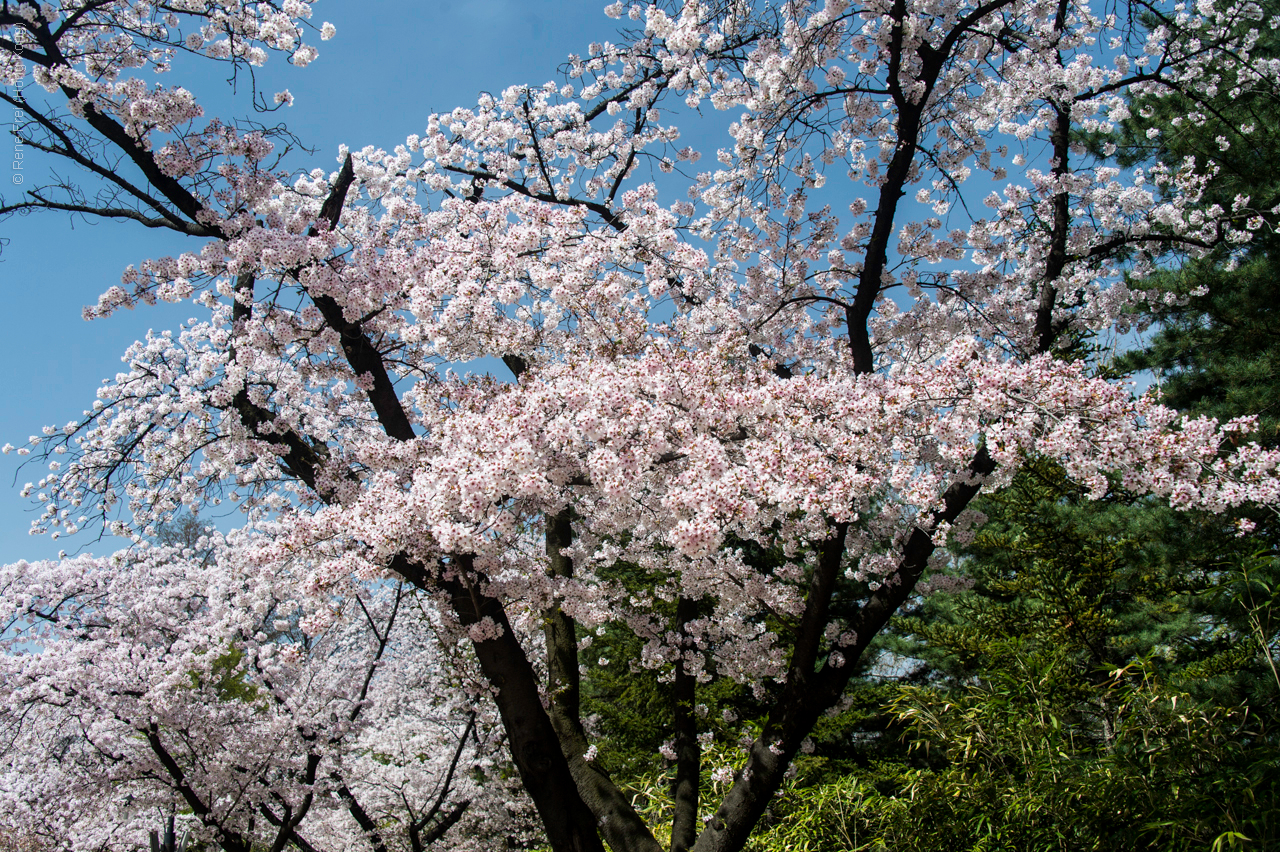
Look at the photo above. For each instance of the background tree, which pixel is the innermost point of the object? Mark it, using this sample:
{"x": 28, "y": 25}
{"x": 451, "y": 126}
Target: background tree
{"x": 170, "y": 680}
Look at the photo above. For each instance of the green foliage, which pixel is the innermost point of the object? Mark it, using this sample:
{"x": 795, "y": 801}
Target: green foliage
{"x": 1102, "y": 686}
{"x": 1254, "y": 591}
{"x": 1032, "y": 761}
{"x": 1218, "y": 350}
{"x": 842, "y": 814}
{"x": 1110, "y": 581}
{"x": 1029, "y": 758}
{"x": 228, "y": 678}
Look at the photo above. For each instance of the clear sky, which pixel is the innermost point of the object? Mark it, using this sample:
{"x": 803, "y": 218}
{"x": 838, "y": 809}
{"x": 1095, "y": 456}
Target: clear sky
{"x": 392, "y": 63}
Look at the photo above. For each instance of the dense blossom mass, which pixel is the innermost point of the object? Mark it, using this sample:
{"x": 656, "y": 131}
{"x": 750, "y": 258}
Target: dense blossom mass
{"x": 818, "y": 342}
{"x": 136, "y": 677}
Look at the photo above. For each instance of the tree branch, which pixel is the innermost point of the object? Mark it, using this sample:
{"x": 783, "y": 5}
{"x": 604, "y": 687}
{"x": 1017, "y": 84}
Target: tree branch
{"x": 229, "y": 840}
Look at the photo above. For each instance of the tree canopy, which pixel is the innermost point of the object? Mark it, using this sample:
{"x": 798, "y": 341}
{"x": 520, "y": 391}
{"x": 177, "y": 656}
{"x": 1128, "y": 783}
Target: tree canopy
{"x": 745, "y": 406}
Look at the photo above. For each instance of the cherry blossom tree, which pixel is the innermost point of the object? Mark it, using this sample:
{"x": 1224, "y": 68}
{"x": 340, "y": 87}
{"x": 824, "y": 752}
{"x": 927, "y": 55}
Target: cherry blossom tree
{"x": 824, "y": 346}
{"x": 171, "y": 679}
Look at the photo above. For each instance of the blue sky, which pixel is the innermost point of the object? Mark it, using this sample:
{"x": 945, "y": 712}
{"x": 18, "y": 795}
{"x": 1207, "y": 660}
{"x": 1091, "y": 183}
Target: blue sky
{"x": 392, "y": 63}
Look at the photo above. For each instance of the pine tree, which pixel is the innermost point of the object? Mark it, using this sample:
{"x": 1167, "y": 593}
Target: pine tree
{"x": 1217, "y": 348}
